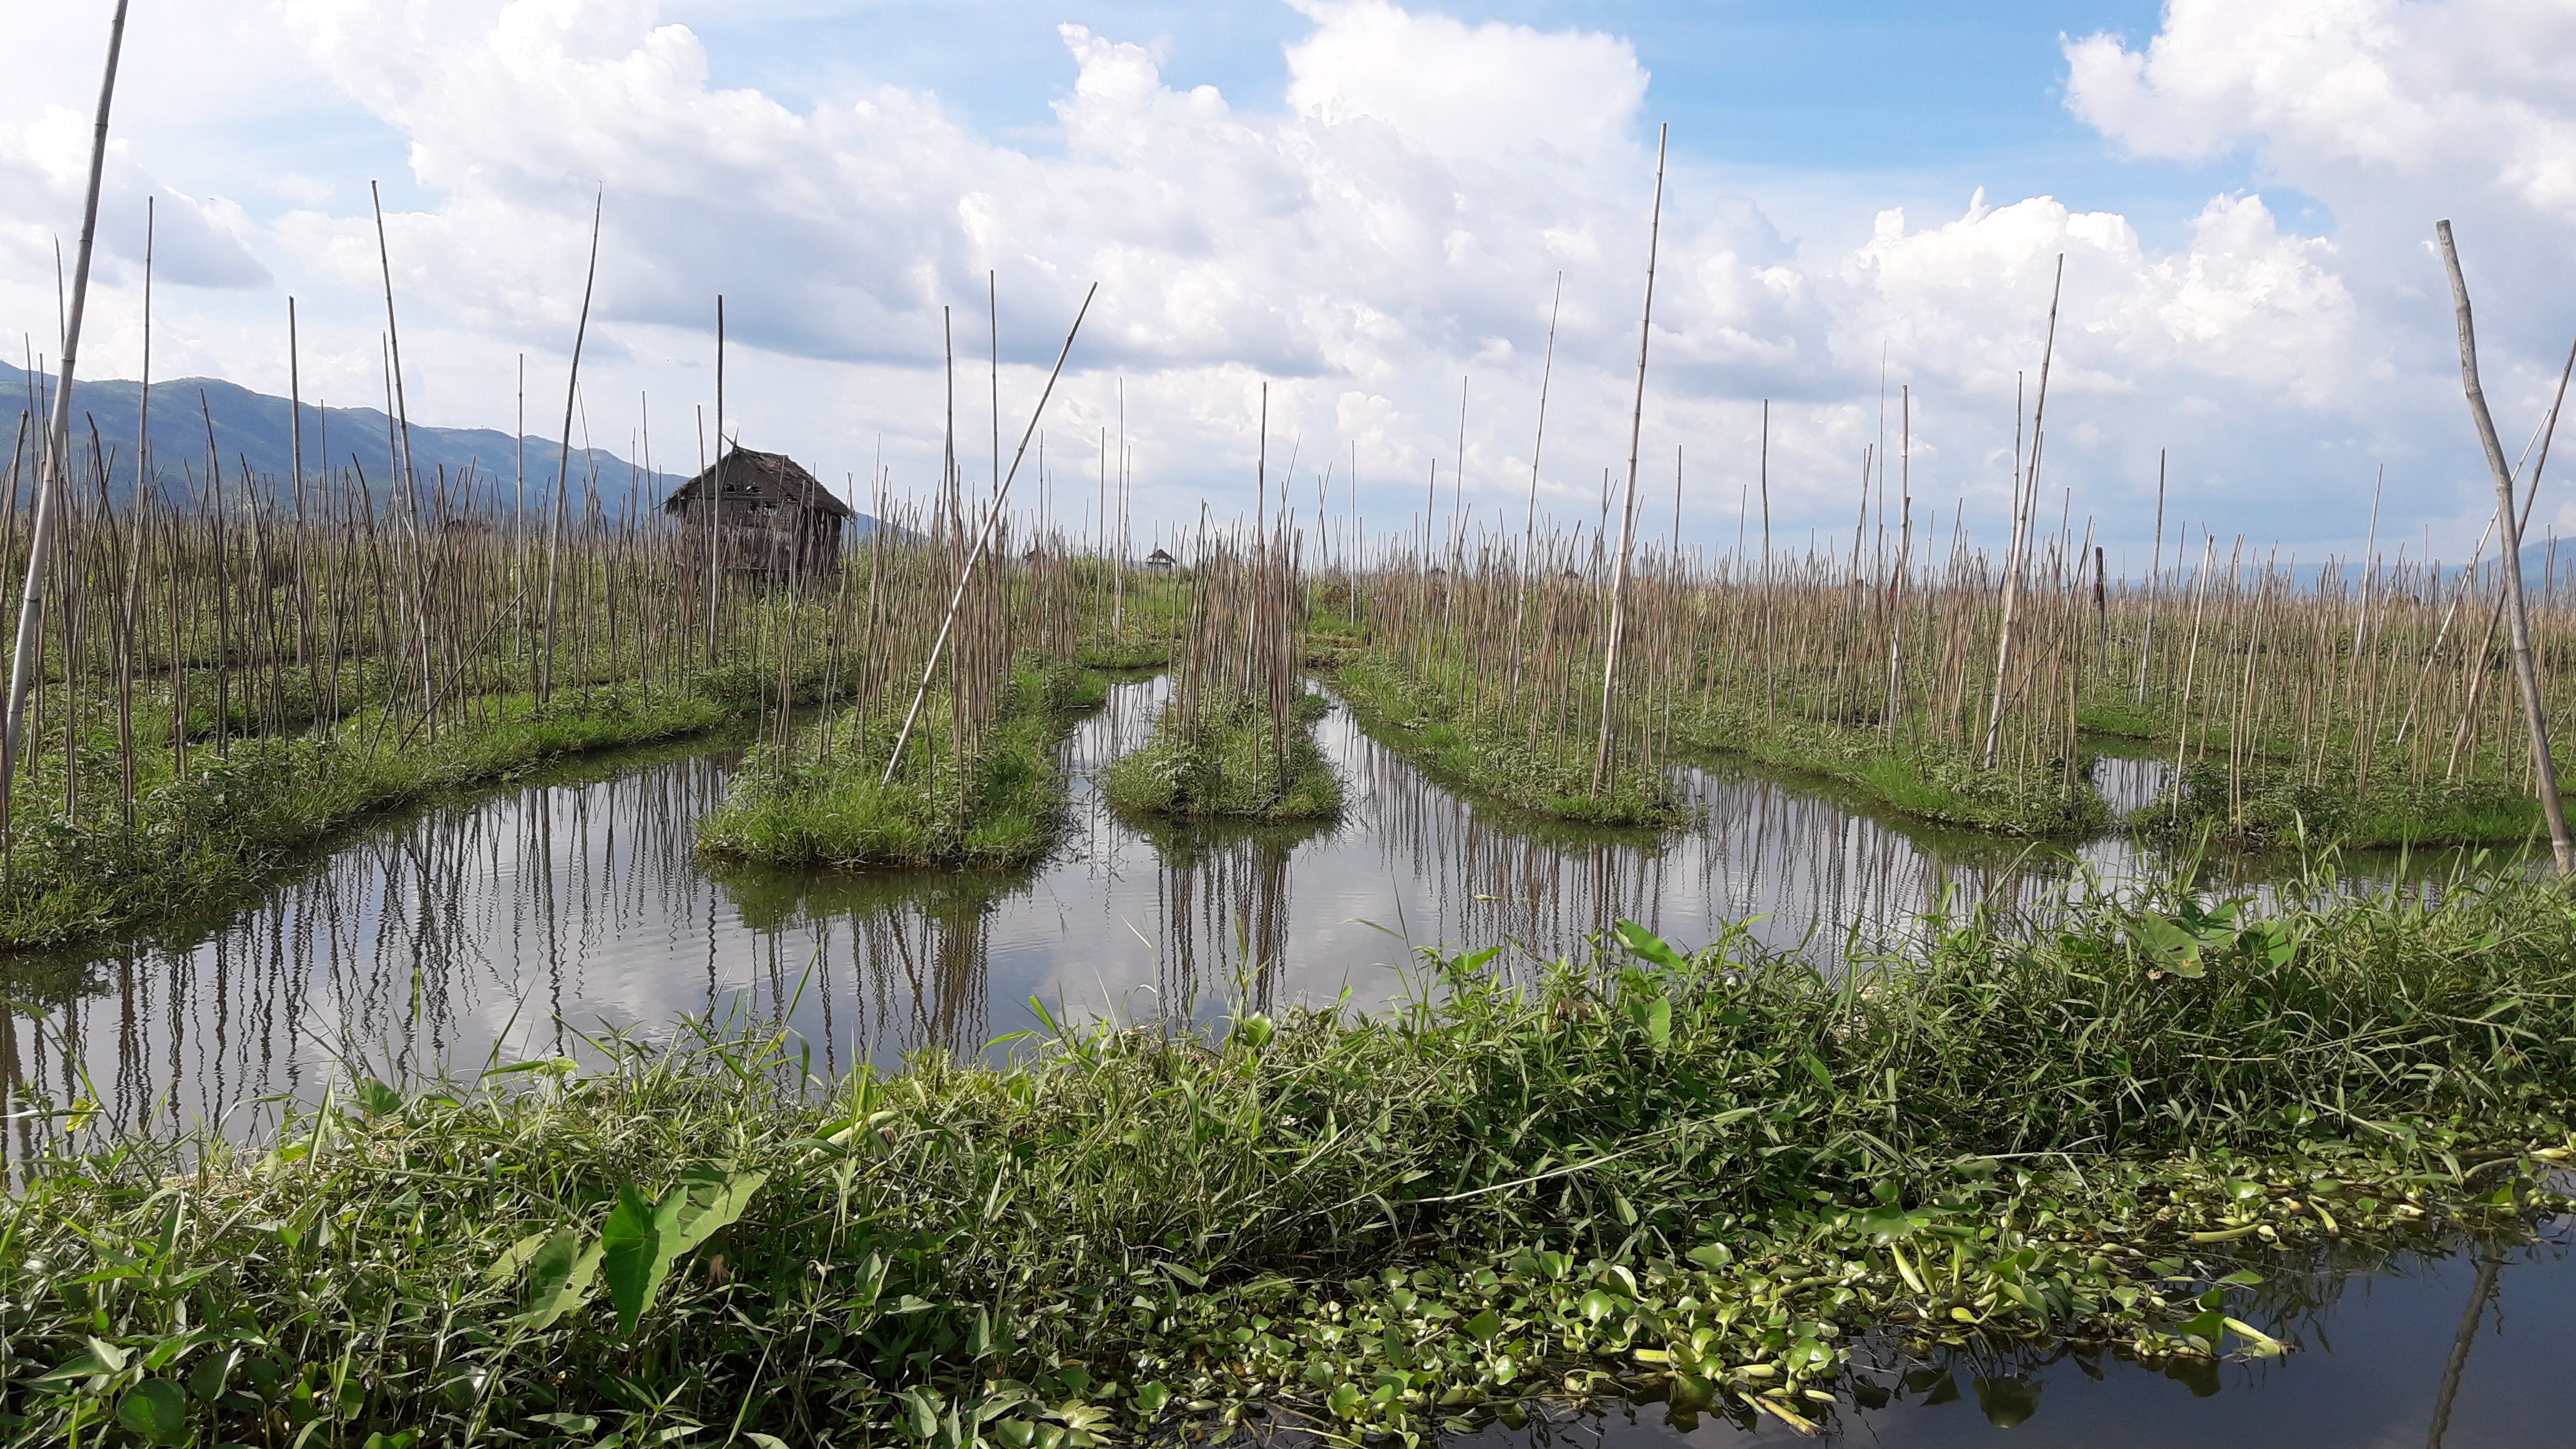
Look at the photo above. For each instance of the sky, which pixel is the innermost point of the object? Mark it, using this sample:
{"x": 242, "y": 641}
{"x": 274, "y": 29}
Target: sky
{"x": 1377, "y": 215}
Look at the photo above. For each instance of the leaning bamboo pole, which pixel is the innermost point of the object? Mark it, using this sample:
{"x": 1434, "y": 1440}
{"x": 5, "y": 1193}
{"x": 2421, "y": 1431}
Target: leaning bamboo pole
{"x": 1628, "y": 510}
{"x": 30, "y": 643}
{"x": 2526, "y": 671}
{"x": 983, "y": 536}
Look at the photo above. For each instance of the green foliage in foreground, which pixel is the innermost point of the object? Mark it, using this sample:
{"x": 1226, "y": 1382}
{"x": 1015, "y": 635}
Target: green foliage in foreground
{"x": 1691, "y": 1176}
{"x": 1546, "y": 774}
{"x": 2276, "y": 805}
{"x": 826, "y": 802}
{"x": 1228, "y": 764}
{"x": 1923, "y": 778}
{"x": 209, "y": 838}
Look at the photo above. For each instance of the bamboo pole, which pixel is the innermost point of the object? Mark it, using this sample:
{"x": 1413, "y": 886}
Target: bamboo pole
{"x": 1628, "y": 511}
{"x": 2526, "y": 671}
{"x": 563, "y": 462}
{"x": 983, "y": 535}
{"x": 30, "y": 642}
{"x": 2027, "y": 485}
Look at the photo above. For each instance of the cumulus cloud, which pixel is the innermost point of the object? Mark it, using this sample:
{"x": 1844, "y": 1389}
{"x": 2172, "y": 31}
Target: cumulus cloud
{"x": 2392, "y": 112}
{"x": 1397, "y": 227}
{"x": 44, "y": 177}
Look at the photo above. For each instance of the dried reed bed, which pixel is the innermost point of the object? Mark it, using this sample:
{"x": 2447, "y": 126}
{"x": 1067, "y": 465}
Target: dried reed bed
{"x": 2364, "y": 700}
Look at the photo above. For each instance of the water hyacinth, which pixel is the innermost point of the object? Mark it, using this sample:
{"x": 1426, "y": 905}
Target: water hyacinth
{"x": 1695, "y": 1176}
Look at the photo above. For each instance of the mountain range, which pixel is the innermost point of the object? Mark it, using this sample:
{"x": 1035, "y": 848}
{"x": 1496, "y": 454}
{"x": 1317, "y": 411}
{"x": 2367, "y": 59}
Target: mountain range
{"x": 253, "y": 433}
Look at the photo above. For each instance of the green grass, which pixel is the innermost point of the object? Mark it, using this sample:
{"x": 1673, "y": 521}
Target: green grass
{"x": 1495, "y": 758}
{"x": 1230, "y": 764}
{"x": 1695, "y": 1176}
{"x": 2274, "y": 806}
{"x": 1003, "y": 805}
{"x": 1929, "y": 781}
{"x": 2276, "y": 802}
{"x": 216, "y": 835}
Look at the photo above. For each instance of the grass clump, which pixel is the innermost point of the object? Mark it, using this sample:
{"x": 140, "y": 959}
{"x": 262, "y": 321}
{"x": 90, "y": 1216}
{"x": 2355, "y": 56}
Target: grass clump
{"x": 1695, "y": 1175}
{"x": 1536, "y": 770}
{"x": 1228, "y": 759}
{"x": 824, "y": 799}
{"x": 213, "y": 835}
{"x": 2279, "y": 805}
{"x": 1922, "y": 777}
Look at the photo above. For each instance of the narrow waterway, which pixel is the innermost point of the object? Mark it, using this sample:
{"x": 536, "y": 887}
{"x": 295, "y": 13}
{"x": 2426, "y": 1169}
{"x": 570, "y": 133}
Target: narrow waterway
{"x": 2458, "y": 1349}
{"x": 535, "y": 918}
{"x": 531, "y": 919}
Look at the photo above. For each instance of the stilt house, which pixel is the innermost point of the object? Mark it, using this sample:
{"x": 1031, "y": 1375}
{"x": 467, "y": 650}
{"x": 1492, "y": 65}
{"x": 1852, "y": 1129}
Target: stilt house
{"x": 770, "y": 516}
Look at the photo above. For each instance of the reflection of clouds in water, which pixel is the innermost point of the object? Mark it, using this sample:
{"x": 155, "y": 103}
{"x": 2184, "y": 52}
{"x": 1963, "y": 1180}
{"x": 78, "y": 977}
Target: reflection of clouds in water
{"x": 513, "y": 925}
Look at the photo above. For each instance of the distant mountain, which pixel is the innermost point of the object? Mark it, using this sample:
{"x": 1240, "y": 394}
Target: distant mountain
{"x": 254, "y": 431}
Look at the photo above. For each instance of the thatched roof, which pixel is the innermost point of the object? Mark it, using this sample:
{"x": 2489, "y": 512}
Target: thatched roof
{"x": 753, "y": 477}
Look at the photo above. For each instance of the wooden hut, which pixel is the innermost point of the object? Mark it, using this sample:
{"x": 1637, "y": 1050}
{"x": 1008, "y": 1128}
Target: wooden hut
{"x": 771, "y": 516}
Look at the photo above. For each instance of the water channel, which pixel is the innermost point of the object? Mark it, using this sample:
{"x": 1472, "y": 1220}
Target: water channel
{"x": 517, "y": 921}
{"x": 521, "y": 920}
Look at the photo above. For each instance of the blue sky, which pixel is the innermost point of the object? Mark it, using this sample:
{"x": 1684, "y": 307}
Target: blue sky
{"x": 1375, "y": 210}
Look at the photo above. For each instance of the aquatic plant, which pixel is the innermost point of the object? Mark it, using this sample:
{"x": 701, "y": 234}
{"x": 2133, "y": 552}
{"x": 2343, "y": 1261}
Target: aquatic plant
{"x": 1548, "y": 774}
{"x": 1229, "y": 763}
{"x": 1234, "y": 740}
{"x": 827, "y": 798}
{"x": 1699, "y": 1173}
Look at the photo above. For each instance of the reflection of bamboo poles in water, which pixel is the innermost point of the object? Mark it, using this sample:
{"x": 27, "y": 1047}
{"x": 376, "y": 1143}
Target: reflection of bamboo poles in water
{"x": 1224, "y": 907}
{"x": 383, "y": 959}
{"x": 918, "y": 977}
{"x": 2479, "y": 1298}
{"x": 1817, "y": 871}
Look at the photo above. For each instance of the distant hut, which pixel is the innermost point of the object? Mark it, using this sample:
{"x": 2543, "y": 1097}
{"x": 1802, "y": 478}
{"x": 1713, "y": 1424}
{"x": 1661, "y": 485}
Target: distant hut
{"x": 773, "y": 517}
{"x": 1160, "y": 562}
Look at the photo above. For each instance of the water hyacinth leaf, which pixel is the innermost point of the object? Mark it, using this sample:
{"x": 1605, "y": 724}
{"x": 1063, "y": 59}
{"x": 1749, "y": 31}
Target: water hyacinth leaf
{"x": 559, "y": 1277}
{"x": 378, "y": 1099}
{"x": 207, "y": 1380}
{"x": 1649, "y": 946}
{"x": 157, "y": 1409}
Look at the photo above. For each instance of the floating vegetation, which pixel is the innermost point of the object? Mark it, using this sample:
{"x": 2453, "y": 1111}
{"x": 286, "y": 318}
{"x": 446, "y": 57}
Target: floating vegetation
{"x": 1696, "y": 1176}
{"x": 1546, "y": 774}
{"x": 1235, "y": 741}
{"x": 828, "y": 798}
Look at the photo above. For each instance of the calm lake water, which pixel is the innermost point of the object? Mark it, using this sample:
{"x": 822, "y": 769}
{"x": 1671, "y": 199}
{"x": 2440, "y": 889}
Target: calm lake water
{"x": 518, "y": 921}
{"x": 2464, "y": 1349}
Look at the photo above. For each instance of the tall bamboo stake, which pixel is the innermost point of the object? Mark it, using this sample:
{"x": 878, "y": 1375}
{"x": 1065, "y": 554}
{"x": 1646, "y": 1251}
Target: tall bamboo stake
{"x": 2021, "y": 534}
{"x": 983, "y": 535}
{"x": 2526, "y": 672}
{"x": 563, "y": 463}
{"x": 1628, "y": 511}
{"x": 22, "y": 659}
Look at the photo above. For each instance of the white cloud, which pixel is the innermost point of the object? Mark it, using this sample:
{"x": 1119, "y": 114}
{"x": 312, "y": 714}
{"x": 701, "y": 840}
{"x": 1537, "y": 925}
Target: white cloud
{"x": 1400, "y": 222}
{"x": 2392, "y": 112}
{"x": 44, "y": 178}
